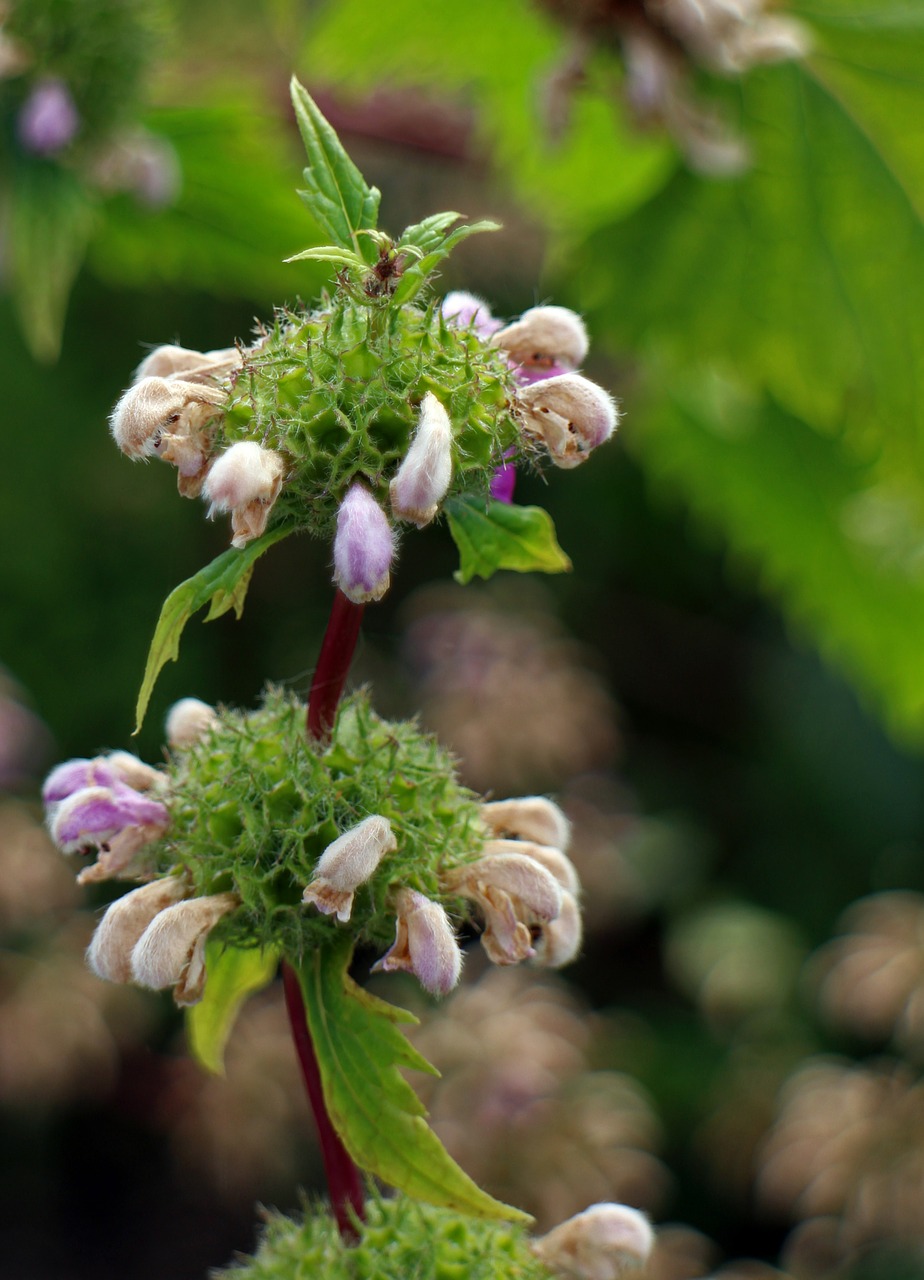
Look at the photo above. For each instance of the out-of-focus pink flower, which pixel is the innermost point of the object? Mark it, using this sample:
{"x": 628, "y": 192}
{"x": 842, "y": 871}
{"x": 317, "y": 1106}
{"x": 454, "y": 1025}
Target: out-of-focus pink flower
{"x": 48, "y": 119}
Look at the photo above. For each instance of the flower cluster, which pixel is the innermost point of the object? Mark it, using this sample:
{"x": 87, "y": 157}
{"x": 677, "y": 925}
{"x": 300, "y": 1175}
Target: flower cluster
{"x": 362, "y": 416}
{"x": 283, "y": 841}
{"x": 663, "y": 43}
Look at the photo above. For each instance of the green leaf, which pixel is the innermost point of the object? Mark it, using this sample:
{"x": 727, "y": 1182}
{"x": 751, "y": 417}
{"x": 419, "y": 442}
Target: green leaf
{"x": 329, "y": 253}
{"x": 222, "y": 585}
{"x": 337, "y": 195}
{"x": 415, "y": 277}
{"x": 839, "y": 545}
{"x": 377, "y": 1114}
{"x": 498, "y": 535}
{"x": 233, "y": 975}
{"x": 430, "y": 233}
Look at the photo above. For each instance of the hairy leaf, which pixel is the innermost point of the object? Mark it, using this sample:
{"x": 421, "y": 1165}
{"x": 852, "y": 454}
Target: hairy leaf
{"x": 233, "y": 975}
{"x": 222, "y": 585}
{"x": 379, "y": 1118}
{"x": 336, "y": 193}
{"x": 415, "y": 276}
{"x": 498, "y": 535}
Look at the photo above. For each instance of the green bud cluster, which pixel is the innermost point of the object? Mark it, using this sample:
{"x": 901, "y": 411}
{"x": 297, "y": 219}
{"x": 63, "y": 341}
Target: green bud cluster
{"x": 255, "y": 803}
{"x": 337, "y": 393}
{"x": 400, "y": 1237}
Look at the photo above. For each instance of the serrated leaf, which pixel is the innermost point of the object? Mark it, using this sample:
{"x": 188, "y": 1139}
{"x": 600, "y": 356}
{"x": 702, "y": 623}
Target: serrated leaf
{"x": 329, "y": 253}
{"x": 415, "y": 277}
{"x": 337, "y": 195}
{"x": 233, "y": 975}
{"x": 379, "y": 1118}
{"x": 429, "y": 233}
{"x": 222, "y": 585}
{"x": 498, "y": 535}
{"x": 839, "y": 544}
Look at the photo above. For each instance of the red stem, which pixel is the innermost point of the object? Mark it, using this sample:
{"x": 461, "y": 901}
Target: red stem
{"x": 343, "y": 1178}
{"x": 334, "y": 660}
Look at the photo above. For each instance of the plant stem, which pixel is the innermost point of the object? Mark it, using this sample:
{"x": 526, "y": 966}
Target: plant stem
{"x": 334, "y": 660}
{"x": 344, "y": 1182}
{"x": 343, "y": 1178}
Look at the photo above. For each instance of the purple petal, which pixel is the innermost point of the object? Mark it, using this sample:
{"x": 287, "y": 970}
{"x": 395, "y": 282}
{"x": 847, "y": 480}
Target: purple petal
{"x": 73, "y": 776}
{"x": 95, "y": 815}
{"x": 363, "y": 547}
{"x": 503, "y": 482}
{"x": 526, "y": 374}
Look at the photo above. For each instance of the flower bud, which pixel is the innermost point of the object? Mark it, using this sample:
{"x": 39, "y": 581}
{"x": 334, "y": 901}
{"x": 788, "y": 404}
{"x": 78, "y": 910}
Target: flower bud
{"x": 424, "y": 945}
{"x": 774, "y": 38}
{"x": 528, "y": 818}
{"x": 348, "y": 863}
{"x": 513, "y": 892}
{"x": 602, "y": 1243}
{"x": 555, "y": 862}
{"x": 246, "y": 481}
{"x": 544, "y": 342}
{"x": 570, "y": 414}
{"x": 117, "y": 934}
{"x": 559, "y": 941}
{"x": 48, "y": 119}
{"x": 188, "y": 721}
{"x": 464, "y": 310}
{"x": 171, "y": 950}
{"x": 423, "y": 477}
{"x": 364, "y": 547}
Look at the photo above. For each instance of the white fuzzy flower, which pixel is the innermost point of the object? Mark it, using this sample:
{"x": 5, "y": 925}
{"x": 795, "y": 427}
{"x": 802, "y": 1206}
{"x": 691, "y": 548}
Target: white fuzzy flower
{"x": 171, "y": 950}
{"x": 602, "y": 1243}
{"x": 245, "y": 480}
{"x": 570, "y": 414}
{"x": 347, "y": 863}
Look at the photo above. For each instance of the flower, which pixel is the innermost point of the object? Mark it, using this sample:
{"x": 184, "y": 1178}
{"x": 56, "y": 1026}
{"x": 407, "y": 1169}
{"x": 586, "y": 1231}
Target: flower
{"x": 528, "y": 818}
{"x": 171, "y": 950}
{"x": 169, "y": 419}
{"x": 48, "y": 119}
{"x": 570, "y": 414}
{"x": 543, "y": 343}
{"x": 364, "y": 547}
{"x": 245, "y": 480}
{"x": 118, "y": 933}
{"x": 424, "y": 945}
{"x": 465, "y": 309}
{"x": 423, "y": 477}
{"x": 348, "y": 863}
{"x": 188, "y": 721}
{"x": 601, "y": 1243}
{"x": 513, "y": 893}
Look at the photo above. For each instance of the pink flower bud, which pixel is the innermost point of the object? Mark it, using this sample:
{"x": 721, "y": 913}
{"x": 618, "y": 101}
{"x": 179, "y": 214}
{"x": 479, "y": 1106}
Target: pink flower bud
{"x": 246, "y": 481}
{"x": 117, "y": 934}
{"x": 544, "y": 343}
{"x": 364, "y": 547}
{"x": 48, "y": 119}
{"x": 348, "y": 863}
{"x": 528, "y": 818}
{"x": 464, "y": 310}
{"x": 570, "y": 414}
{"x": 424, "y": 945}
{"x": 171, "y": 950}
{"x": 188, "y": 721}
{"x": 423, "y": 477}
{"x": 602, "y": 1243}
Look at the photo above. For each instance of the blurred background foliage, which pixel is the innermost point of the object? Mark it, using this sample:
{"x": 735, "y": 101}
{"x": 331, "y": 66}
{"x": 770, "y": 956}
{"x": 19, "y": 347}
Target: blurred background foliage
{"x": 727, "y": 693}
